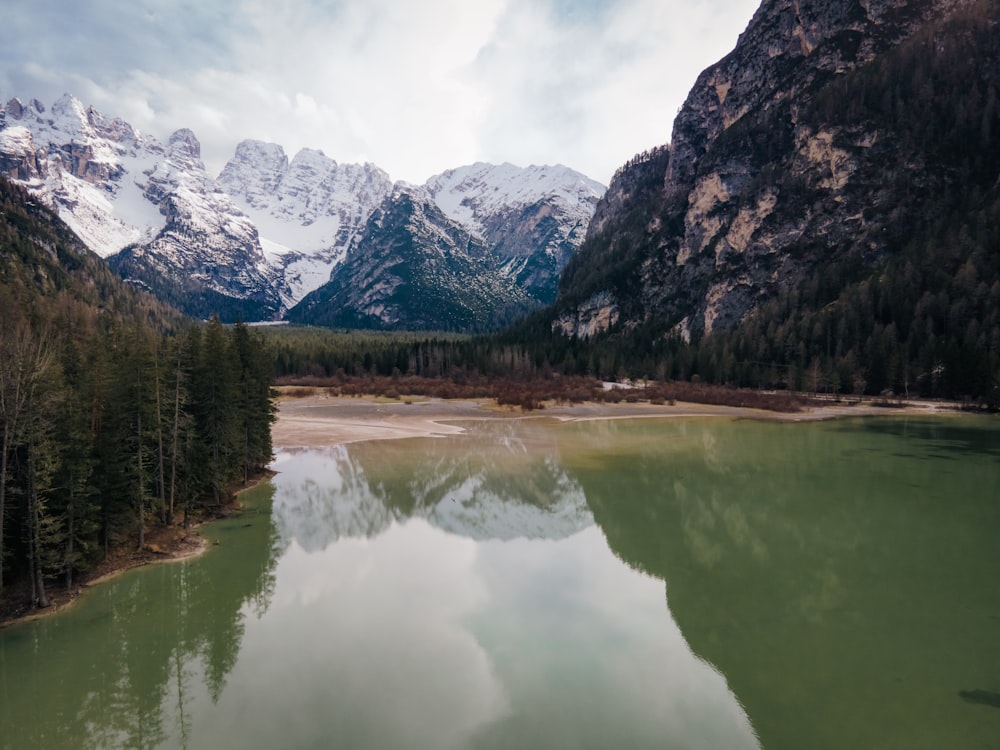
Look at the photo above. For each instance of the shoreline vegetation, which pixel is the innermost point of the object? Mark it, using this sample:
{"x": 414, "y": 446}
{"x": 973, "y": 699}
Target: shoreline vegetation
{"x": 316, "y": 412}
{"x": 164, "y": 543}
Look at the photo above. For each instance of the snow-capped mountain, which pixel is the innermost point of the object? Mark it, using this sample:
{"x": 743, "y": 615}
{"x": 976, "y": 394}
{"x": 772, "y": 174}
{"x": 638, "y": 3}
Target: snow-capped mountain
{"x": 310, "y": 210}
{"x": 307, "y": 211}
{"x": 169, "y": 225}
{"x": 533, "y": 219}
{"x": 208, "y": 257}
{"x": 77, "y": 162}
{"x": 270, "y": 230}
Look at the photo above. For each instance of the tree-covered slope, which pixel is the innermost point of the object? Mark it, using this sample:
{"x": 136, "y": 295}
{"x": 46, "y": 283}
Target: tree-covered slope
{"x": 44, "y": 267}
{"x": 115, "y": 410}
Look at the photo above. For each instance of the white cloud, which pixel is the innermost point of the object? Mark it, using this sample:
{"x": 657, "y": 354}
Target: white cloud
{"x": 416, "y": 87}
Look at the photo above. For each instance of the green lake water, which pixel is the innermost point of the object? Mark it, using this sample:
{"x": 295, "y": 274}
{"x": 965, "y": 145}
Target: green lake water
{"x": 649, "y": 583}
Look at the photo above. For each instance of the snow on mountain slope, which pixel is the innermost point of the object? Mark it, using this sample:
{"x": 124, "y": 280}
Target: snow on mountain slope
{"x": 85, "y": 167}
{"x": 269, "y": 229}
{"x": 119, "y": 190}
{"x": 532, "y": 218}
{"x": 311, "y": 210}
{"x": 208, "y": 257}
{"x": 414, "y": 268}
{"x": 308, "y": 211}
{"x": 472, "y": 194}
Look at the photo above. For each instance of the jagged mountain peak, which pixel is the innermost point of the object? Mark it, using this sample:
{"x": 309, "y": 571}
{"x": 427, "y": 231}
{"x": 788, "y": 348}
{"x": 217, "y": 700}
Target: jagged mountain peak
{"x": 414, "y": 268}
{"x": 467, "y": 194}
{"x": 308, "y": 210}
{"x": 275, "y": 221}
{"x": 151, "y": 207}
{"x": 184, "y": 144}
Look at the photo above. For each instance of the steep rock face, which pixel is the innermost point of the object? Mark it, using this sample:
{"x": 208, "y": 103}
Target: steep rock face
{"x": 308, "y": 211}
{"x": 171, "y": 228}
{"x": 532, "y": 218}
{"x": 760, "y": 184}
{"x": 413, "y": 268}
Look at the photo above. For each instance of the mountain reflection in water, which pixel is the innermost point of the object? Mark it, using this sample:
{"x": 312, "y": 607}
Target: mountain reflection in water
{"x": 475, "y": 562}
{"x": 829, "y": 585}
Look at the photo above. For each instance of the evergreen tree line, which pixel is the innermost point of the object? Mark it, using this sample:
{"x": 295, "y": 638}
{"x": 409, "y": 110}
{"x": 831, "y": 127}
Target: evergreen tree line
{"x": 105, "y": 429}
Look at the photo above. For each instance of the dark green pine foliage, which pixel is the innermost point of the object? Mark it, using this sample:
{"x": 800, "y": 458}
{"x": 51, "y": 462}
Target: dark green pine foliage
{"x": 255, "y": 401}
{"x": 114, "y": 411}
{"x": 75, "y": 508}
{"x": 216, "y": 410}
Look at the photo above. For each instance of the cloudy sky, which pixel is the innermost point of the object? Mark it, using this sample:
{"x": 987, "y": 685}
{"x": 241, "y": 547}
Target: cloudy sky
{"x": 415, "y": 86}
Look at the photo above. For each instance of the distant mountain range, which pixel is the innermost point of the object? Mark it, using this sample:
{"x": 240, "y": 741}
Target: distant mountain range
{"x": 254, "y": 242}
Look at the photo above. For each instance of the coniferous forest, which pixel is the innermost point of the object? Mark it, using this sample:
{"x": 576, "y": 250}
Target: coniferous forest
{"x": 116, "y": 413}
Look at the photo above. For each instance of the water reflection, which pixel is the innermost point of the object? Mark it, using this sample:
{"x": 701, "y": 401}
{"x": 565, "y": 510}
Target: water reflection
{"x": 509, "y": 588}
{"x": 456, "y": 593}
{"x": 427, "y": 594}
{"x": 846, "y": 588}
{"x": 128, "y": 664}
{"x": 498, "y": 482}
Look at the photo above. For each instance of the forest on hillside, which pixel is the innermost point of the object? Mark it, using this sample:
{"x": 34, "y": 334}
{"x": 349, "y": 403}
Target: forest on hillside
{"x": 115, "y": 412}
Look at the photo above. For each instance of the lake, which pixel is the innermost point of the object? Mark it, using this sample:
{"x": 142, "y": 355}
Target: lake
{"x": 643, "y": 583}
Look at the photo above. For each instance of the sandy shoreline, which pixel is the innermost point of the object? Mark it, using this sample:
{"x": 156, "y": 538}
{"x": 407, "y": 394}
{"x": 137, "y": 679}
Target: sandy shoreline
{"x": 321, "y": 421}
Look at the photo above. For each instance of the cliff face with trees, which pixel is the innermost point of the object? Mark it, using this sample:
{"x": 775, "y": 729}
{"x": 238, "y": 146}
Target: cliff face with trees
{"x": 114, "y": 410}
{"x": 825, "y": 216}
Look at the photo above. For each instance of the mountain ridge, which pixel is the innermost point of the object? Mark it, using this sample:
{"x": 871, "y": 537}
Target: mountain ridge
{"x": 838, "y": 236}
{"x": 269, "y": 230}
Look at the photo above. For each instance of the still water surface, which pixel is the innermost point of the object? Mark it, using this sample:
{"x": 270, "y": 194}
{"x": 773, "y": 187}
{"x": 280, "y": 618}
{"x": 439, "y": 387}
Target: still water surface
{"x": 669, "y": 584}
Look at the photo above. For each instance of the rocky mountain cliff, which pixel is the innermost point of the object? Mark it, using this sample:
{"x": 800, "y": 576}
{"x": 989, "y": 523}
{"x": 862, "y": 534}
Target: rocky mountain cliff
{"x": 769, "y": 173}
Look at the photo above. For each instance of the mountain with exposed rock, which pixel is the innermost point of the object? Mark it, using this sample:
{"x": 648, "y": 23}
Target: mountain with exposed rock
{"x": 414, "y": 268}
{"x": 151, "y": 208}
{"x": 773, "y": 169}
{"x": 824, "y": 217}
{"x": 308, "y": 210}
{"x": 270, "y": 230}
{"x": 532, "y": 219}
